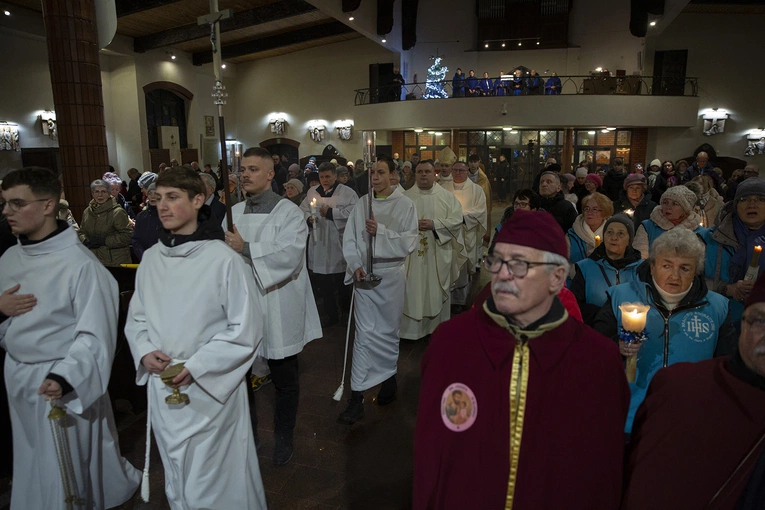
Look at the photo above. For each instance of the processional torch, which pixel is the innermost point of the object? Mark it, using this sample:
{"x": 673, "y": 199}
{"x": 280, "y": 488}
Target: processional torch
{"x": 58, "y": 426}
{"x": 370, "y": 157}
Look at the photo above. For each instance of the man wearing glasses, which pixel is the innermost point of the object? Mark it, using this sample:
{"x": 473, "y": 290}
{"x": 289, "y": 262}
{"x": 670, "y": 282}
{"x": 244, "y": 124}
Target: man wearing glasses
{"x": 546, "y": 396}
{"x": 702, "y": 426}
{"x": 59, "y": 328}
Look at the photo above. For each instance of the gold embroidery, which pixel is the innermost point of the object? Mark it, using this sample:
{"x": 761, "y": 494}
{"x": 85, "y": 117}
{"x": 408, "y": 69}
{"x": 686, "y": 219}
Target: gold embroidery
{"x": 424, "y": 245}
{"x": 519, "y": 382}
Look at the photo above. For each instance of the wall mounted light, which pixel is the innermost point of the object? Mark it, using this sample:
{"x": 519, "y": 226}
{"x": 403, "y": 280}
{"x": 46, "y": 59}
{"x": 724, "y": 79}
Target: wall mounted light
{"x": 7, "y": 12}
{"x": 351, "y": 18}
{"x": 344, "y": 129}
{"x": 755, "y": 142}
{"x": 48, "y": 123}
{"x": 714, "y": 120}
{"x": 419, "y": 130}
{"x": 278, "y": 123}
{"x": 486, "y": 45}
{"x": 653, "y": 23}
{"x": 384, "y": 40}
{"x": 316, "y": 129}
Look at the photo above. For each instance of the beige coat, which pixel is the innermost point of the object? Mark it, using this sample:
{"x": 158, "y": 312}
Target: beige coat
{"x": 110, "y": 223}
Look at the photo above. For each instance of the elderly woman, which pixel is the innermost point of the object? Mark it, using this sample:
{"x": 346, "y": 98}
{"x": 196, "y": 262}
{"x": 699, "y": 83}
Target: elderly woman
{"x": 147, "y": 224}
{"x": 684, "y": 172}
{"x": 593, "y": 183}
{"x": 686, "y": 321}
{"x": 665, "y": 180}
{"x": 105, "y": 227}
{"x": 710, "y": 202}
{"x": 293, "y": 190}
{"x": 596, "y": 209}
{"x": 674, "y": 211}
{"x": 730, "y": 245}
{"x": 635, "y": 200}
{"x": 115, "y": 188}
{"x": 614, "y": 262}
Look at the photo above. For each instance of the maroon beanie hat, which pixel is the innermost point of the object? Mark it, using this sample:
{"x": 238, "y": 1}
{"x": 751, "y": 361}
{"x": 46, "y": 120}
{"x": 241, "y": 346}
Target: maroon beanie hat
{"x": 535, "y": 229}
{"x": 757, "y": 295}
{"x": 595, "y": 178}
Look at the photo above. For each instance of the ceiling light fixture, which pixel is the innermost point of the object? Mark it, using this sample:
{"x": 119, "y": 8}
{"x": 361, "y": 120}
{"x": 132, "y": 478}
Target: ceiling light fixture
{"x": 507, "y": 128}
{"x": 223, "y": 66}
{"x": 610, "y": 129}
{"x": 351, "y": 18}
{"x": 503, "y": 45}
{"x": 653, "y": 23}
{"x": 419, "y": 130}
{"x": 486, "y": 45}
{"x": 439, "y": 133}
{"x": 537, "y": 43}
{"x": 384, "y": 40}
{"x": 604, "y": 131}
{"x": 520, "y": 43}
{"x": 543, "y": 133}
{"x": 590, "y": 132}
{"x": 172, "y": 56}
{"x": 7, "y": 12}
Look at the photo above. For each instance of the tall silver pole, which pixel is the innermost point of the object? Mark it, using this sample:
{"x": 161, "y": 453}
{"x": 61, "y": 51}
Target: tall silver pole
{"x": 370, "y": 157}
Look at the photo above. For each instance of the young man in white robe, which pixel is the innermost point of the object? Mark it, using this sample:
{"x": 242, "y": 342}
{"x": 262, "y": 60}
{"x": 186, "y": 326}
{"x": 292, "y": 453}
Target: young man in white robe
{"x": 270, "y": 232}
{"x": 59, "y": 328}
{"x": 475, "y": 222}
{"x": 378, "y": 305}
{"x": 326, "y": 208}
{"x": 195, "y": 302}
{"x": 429, "y": 267}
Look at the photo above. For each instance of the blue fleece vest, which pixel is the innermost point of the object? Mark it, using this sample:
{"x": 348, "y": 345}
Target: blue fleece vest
{"x": 692, "y": 335}
{"x": 722, "y": 254}
{"x": 600, "y": 276}
{"x": 654, "y": 231}
{"x": 578, "y": 247}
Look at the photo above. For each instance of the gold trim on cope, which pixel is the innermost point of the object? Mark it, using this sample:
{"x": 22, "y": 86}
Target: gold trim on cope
{"x": 519, "y": 383}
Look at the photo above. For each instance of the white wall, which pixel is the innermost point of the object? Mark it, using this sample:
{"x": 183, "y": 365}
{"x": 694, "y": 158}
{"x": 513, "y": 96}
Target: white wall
{"x": 725, "y": 58}
{"x": 317, "y": 83}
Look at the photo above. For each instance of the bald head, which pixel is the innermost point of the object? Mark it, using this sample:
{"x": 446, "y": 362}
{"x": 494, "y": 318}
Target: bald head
{"x": 702, "y": 158}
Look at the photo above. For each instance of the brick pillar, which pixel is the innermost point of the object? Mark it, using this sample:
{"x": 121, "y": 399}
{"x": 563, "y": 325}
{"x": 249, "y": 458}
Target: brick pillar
{"x": 75, "y": 74}
{"x": 397, "y": 143}
{"x": 638, "y": 149}
{"x": 568, "y": 151}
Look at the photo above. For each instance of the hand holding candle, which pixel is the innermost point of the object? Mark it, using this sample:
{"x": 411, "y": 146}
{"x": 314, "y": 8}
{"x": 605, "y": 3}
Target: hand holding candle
{"x": 754, "y": 266}
{"x": 315, "y": 218}
{"x": 634, "y": 317}
{"x": 597, "y": 241}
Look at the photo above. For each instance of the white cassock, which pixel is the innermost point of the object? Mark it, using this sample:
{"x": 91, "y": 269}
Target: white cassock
{"x": 473, "y": 201}
{"x": 277, "y": 244}
{"x": 197, "y": 303}
{"x": 378, "y": 306}
{"x": 325, "y": 248}
{"x": 71, "y": 332}
{"x": 429, "y": 267}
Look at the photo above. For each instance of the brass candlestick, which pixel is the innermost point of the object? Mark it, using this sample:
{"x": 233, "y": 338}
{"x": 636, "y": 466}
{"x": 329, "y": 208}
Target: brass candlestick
{"x": 167, "y": 377}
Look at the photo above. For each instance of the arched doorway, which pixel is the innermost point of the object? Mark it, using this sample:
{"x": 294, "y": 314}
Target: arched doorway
{"x": 283, "y": 147}
{"x": 166, "y": 107}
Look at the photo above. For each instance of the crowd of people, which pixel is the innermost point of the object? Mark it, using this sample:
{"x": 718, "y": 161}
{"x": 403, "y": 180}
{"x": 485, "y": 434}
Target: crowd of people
{"x": 515, "y": 84}
{"x": 543, "y": 348}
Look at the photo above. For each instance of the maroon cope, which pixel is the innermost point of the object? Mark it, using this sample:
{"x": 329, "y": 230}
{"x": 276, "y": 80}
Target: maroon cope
{"x": 521, "y": 419}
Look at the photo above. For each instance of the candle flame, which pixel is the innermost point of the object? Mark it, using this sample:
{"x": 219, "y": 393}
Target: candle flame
{"x": 629, "y": 212}
{"x": 758, "y": 249}
{"x": 313, "y": 202}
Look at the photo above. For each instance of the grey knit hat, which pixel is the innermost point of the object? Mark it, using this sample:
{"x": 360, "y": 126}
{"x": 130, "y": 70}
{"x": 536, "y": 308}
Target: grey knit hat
{"x": 624, "y": 220}
{"x": 749, "y": 187}
{"x": 683, "y": 196}
{"x": 296, "y": 183}
{"x": 146, "y": 179}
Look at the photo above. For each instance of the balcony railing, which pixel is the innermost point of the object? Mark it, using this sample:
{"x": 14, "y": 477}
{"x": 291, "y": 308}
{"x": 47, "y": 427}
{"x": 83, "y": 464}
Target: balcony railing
{"x": 569, "y": 85}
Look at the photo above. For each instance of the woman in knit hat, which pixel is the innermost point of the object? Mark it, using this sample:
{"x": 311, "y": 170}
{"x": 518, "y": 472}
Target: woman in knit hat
{"x": 593, "y": 183}
{"x": 674, "y": 211}
{"x": 666, "y": 179}
{"x": 635, "y": 200}
{"x": 615, "y": 261}
{"x": 293, "y": 190}
{"x": 596, "y": 209}
{"x": 730, "y": 244}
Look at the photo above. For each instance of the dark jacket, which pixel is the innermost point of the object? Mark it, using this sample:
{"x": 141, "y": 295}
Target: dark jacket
{"x": 562, "y": 210}
{"x": 362, "y": 184}
{"x": 134, "y": 193}
{"x": 642, "y": 211}
{"x": 281, "y": 176}
{"x": 218, "y": 209}
{"x": 458, "y": 85}
{"x": 663, "y": 183}
{"x": 146, "y": 231}
{"x": 503, "y": 170}
{"x": 7, "y": 239}
{"x": 472, "y": 83}
{"x": 218, "y": 183}
{"x": 613, "y": 184}
{"x": 709, "y": 169}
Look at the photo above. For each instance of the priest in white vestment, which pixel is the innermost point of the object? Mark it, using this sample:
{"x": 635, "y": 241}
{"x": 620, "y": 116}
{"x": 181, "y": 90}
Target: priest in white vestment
{"x": 326, "y": 208}
{"x": 475, "y": 222}
{"x": 58, "y": 325}
{"x": 195, "y": 302}
{"x": 378, "y": 306}
{"x": 270, "y": 233}
{"x": 429, "y": 267}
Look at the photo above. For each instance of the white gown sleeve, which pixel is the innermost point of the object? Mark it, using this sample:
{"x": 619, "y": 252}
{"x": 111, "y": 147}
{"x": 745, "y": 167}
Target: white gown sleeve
{"x": 281, "y": 259}
{"x": 449, "y": 227}
{"x": 476, "y": 213}
{"x": 136, "y": 330}
{"x": 220, "y": 365}
{"x": 354, "y": 247}
{"x": 88, "y": 363}
{"x": 391, "y": 243}
{"x": 342, "y": 212}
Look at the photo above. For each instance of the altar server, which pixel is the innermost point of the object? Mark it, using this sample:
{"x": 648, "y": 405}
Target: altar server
{"x": 270, "y": 232}
{"x": 378, "y": 305}
{"x": 429, "y": 267}
{"x": 58, "y": 316}
{"x": 473, "y": 202}
{"x": 327, "y": 207}
{"x": 195, "y": 302}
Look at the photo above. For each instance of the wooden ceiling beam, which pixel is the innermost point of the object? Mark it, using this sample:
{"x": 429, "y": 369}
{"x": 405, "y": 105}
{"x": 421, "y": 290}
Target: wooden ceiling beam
{"x": 275, "y": 41}
{"x": 243, "y": 19}
{"x": 127, "y": 7}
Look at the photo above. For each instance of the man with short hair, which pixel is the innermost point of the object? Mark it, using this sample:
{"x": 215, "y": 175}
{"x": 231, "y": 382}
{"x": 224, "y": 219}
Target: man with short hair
{"x": 613, "y": 182}
{"x": 58, "y": 325}
{"x": 429, "y": 267}
{"x": 271, "y": 232}
{"x": 474, "y": 225}
{"x": 415, "y": 159}
{"x": 472, "y": 85}
{"x": 391, "y": 232}
{"x": 479, "y": 177}
{"x": 554, "y": 202}
{"x": 280, "y": 174}
{"x": 521, "y": 406}
{"x": 196, "y": 304}
{"x": 218, "y": 183}
{"x": 217, "y": 207}
{"x": 701, "y": 427}
{"x": 134, "y": 189}
{"x": 195, "y": 166}
{"x": 334, "y": 202}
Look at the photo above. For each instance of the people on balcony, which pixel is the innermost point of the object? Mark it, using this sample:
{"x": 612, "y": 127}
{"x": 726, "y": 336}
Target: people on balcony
{"x": 517, "y": 84}
{"x": 486, "y": 85}
{"x": 534, "y": 84}
{"x": 458, "y": 84}
{"x": 500, "y": 87}
{"x": 553, "y": 85}
{"x": 472, "y": 85}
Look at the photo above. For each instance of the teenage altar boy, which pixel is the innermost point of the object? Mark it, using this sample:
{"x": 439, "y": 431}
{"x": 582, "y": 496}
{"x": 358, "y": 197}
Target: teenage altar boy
{"x": 195, "y": 302}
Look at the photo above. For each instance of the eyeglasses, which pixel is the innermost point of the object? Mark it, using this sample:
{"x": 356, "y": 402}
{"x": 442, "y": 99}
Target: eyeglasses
{"x": 593, "y": 210}
{"x": 756, "y": 323}
{"x": 516, "y": 267}
{"x": 521, "y": 205}
{"x": 752, "y": 200}
{"x": 16, "y": 204}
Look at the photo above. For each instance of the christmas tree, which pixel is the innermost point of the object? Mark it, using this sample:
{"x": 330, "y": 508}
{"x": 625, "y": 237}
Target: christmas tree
{"x": 434, "y": 88}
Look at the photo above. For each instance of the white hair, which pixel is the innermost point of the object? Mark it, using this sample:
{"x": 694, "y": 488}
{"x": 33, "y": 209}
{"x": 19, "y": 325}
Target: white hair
{"x": 553, "y": 258}
{"x": 100, "y": 183}
{"x": 679, "y": 242}
{"x": 208, "y": 179}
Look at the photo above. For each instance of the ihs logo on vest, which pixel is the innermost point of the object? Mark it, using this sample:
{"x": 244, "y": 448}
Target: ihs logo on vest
{"x": 699, "y": 327}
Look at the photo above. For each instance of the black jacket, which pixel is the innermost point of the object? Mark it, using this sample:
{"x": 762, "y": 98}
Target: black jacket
{"x": 562, "y": 210}
{"x": 613, "y": 184}
{"x": 7, "y": 239}
{"x": 642, "y": 211}
{"x": 218, "y": 209}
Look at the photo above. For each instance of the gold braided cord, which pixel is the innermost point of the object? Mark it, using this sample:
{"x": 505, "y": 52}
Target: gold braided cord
{"x": 519, "y": 383}
{"x": 57, "y": 421}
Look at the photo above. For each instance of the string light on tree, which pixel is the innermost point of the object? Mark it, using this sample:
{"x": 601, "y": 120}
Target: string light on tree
{"x": 434, "y": 87}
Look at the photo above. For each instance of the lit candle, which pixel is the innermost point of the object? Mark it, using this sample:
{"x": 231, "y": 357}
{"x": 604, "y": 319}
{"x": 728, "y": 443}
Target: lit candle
{"x": 597, "y": 241}
{"x": 756, "y": 256}
{"x": 315, "y": 216}
{"x": 629, "y": 212}
{"x": 634, "y": 316}
{"x": 754, "y": 265}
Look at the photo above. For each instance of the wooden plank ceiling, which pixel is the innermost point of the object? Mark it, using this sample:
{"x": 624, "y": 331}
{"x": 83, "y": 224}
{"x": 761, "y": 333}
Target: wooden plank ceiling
{"x": 259, "y": 29}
